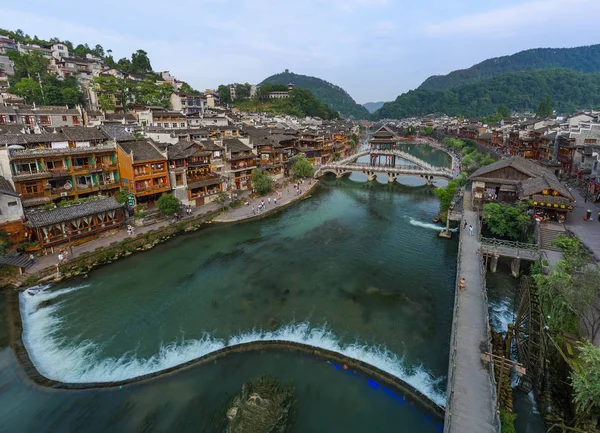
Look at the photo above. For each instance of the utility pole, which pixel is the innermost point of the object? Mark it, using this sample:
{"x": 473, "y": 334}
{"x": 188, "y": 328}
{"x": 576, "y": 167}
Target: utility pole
{"x": 504, "y": 363}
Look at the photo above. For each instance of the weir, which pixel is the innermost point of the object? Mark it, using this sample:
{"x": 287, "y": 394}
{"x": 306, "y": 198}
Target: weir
{"x": 384, "y": 378}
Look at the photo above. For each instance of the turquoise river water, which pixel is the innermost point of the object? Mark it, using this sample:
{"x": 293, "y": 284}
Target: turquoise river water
{"x": 358, "y": 269}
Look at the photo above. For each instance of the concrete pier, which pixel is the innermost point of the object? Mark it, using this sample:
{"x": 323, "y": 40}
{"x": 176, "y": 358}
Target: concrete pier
{"x": 470, "y": 403}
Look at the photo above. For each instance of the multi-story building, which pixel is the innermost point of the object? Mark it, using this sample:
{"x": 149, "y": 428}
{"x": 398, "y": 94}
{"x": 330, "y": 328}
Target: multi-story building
{"x": 240, "y": 161}
{"x": 7, "y": 44}
{"x": 310, "y": 143}
{"x": 55, "y": 117}
{"x": 11, "y": 212}
{"x": 7, "y": 69}
{"x": 74, "y": 163}
{"x": 191, "y": 171}
{"x": 169, "y": 119}
{"x": 143, "y": 169}
{"x": 188, "y": 103}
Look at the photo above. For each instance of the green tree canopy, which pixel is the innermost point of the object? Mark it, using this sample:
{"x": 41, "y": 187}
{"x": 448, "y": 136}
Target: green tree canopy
{"x": 545, "y": 107}
{"x": 586, "y": 379}
{"x": 261, "y": 181}
{"x": 168, "y": 204}
{"x": 224, "y": 94}
{"x": 302, "y": 167}
{"x": 511, "y": 221}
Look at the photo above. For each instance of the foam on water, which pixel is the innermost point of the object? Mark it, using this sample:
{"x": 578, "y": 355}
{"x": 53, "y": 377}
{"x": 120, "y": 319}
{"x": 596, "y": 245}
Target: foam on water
{"x": 501, "y": 314}
{"x": 430, "y": 226}
{"x": 56, "y": 359}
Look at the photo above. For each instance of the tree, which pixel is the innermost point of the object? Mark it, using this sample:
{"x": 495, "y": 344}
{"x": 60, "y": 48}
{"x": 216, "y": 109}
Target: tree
{"x": 29, "y": 89}
{"x": 186, "y": 88}
{"x": 545, "y": 108}
{"x": 446, "y": 195}
{"x": 504, "y": 111}
{"x": 123, "y": 195}
{"x": 242, "y": 91}
{"x": 32, "y": 65}
{"x": 302, "y": 167}
{"x": 224, "y": 94}
{"x": 585, "y": 379}
{"x": 168, "y": 204}
{"x": 261, "y": 182}
{"x": 507, "y": 220}
{"x": 222, "y": 198}
{"x": 140, "y": 62}
{"x": 111, "y": 87}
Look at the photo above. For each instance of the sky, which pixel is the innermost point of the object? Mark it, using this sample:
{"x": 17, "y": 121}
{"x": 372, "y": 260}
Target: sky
{"x": 374, "y": 49}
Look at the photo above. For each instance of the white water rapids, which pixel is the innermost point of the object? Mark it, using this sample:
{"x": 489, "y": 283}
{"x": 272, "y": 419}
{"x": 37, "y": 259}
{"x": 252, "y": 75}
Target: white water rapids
{"x": 56, "y": 359}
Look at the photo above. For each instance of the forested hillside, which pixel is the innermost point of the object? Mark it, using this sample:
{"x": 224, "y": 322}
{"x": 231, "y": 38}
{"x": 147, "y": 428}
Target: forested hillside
{"x": 519, "y": 91}
{"x": 330, "y": 94}
{"x": 582, "y": 59}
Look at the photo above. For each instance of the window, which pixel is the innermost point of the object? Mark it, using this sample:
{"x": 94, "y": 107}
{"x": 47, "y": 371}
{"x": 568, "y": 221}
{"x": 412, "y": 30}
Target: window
{"x": 179, "y": 179}
{"x": 64, "y": 118}
{"x": 55, "y": 165}
{"x": 182, "y": 124}
{"x": 32, "y": 188}
{"x": 174, "y": 124}
{"x": 26, "y": 167}
{"x": 84, "y": 181}
{"x": 12, "y": 203}
{"x": 81, "y": 162}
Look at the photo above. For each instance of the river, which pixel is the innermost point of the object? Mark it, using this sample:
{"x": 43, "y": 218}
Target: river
{"x": 357, "y": 269}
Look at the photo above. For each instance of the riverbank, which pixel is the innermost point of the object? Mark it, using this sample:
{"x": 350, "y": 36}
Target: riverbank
{"x": 107, "y": 249}
{"x": 249, "y": 212}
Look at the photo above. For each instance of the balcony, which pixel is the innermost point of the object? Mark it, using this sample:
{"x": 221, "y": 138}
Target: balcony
{"x": 61, "y": 192}
{"x": 16, "y": 154}
{"x": 153, "y": 189}
{"x": 30, "y": 175}
{"x": 33, "y": 195}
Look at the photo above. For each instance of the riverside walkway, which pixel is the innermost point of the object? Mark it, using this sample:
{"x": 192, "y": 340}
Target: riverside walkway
{"x": 470, "y": 399}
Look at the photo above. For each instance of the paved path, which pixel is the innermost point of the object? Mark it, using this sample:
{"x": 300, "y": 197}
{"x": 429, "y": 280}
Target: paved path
{"x": 52, "y": 259}
{"x": 289, "y": 195}
{"x": 470, "y": 406}
{"x": 587, "y": 231}
{"x": 236, "y": 214}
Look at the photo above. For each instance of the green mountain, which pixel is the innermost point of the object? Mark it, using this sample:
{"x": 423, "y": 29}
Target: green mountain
{"x": 301, "y": 103}
{"x": 330, "y": 94}
{"x": 373, "y": 106}
{"x": 569, "y": 91}
{"x": 582, "y": 59}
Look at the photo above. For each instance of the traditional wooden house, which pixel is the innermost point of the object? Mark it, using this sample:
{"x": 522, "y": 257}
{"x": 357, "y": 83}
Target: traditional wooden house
{"x": 241, "y": 161}
{"x": 143, "y": 170}
{"x": 516, "y": 178}
{"x": 74, "y": 163}
{"x": 74, "y": 223}
{"x": 192, "y": 178}
{"x": 270, "y": 154}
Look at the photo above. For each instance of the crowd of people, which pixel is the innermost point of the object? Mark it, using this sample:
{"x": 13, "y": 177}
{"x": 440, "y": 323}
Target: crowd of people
{"x": 300, "y": 187}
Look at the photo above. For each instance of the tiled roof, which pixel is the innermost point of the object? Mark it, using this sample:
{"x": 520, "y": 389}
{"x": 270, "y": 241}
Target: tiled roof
{"x": 117, "y": 132}
{"x": 235, "y": 145}
{"x": 39, "y": 218}
{"x": 142, "y": 150}
{"x": 6, "y": 188}
{"x": 12, "y": 139}
{"x": 524, "y": 166}
{"x": 47, "y": 137}
{"x": 81, "y": 133}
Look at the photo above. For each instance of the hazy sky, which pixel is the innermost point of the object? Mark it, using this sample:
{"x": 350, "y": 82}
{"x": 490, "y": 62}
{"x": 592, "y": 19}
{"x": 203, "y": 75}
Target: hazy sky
{"x": 375, "y": 49}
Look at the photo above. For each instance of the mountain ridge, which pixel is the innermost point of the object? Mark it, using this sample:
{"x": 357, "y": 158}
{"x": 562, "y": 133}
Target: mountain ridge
{"x": 520, "y": 91}
{"x": 326, "y": 92}
{"x": 373, "y": 106}
{"x": 583, "y": 59}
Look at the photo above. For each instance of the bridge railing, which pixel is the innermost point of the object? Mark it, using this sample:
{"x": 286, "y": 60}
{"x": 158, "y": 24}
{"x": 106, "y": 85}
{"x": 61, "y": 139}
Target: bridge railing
{"x": 499, "y": 243}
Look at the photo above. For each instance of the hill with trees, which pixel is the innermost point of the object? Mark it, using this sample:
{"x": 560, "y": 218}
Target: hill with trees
{"x": 565, "y": 90}
{"x": 373, "y": 106}
{"x": 301, "y": 102}
{"x": 582, "y": 59}
{"x": 34, "y": 84}
{"x": 330, "y": 94}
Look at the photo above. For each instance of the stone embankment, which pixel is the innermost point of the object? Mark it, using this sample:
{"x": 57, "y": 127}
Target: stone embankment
{"x": 86, "y": 261}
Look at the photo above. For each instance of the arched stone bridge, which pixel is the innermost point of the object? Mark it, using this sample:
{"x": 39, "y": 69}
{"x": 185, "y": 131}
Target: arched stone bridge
{"x": 417, "y": 167}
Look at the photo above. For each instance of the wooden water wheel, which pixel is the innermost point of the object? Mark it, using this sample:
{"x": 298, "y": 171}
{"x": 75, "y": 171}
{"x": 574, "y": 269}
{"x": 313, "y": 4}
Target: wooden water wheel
{"x": 529, "y": 324}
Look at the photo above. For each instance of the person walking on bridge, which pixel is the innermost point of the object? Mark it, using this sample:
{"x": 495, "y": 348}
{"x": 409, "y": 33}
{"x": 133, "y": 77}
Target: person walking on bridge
{"x": 470, "y": 230}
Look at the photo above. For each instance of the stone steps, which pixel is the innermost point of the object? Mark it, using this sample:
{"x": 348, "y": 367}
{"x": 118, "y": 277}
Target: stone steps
{"x": 547, "y": 236}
